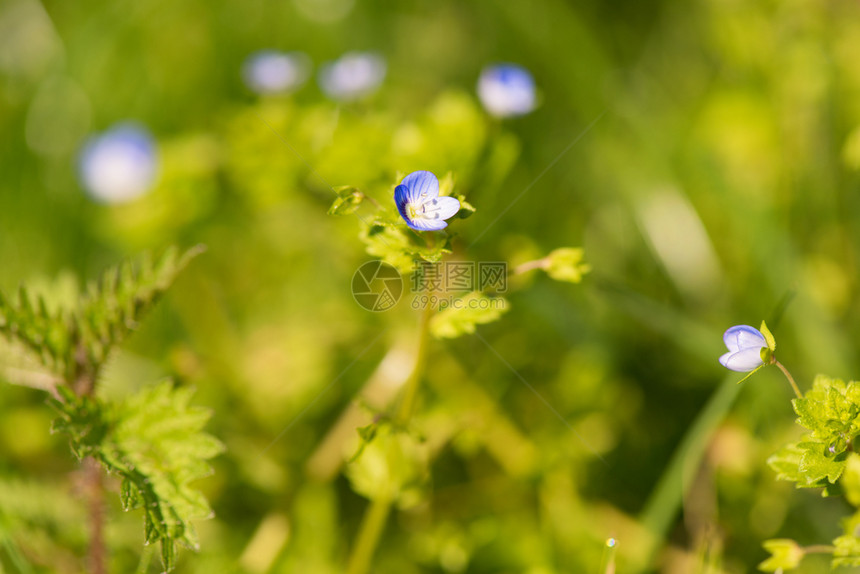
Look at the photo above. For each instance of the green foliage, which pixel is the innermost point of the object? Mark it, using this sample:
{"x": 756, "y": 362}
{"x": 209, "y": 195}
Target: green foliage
{"x": 399, "y": 246}
{"x": 825, "y": 458}
{"x": 847, "y": 546}
{"x": 155, "y": 443}
{"x": 464, "y": 313}
{"x": 831, "y": 411}
{"x": 566, "y": 264}
{"x": 75, "y": 343}
{"x": 348, "y": 201}
{"x": 785, "y": 555}
{"x": 391, "y": 463}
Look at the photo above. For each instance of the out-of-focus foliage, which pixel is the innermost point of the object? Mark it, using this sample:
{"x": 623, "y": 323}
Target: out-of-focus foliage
{"x": 704, "y": 155}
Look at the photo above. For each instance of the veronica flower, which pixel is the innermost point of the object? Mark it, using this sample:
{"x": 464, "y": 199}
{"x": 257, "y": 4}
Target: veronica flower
{"x": 745, "y": 346}
{"x": 418, "y": 201}
{"x": 273, "y": 72}
{"x": 119, "y": 165}
{"x": 354, "y": 75}
{"x": 506, "y": 90}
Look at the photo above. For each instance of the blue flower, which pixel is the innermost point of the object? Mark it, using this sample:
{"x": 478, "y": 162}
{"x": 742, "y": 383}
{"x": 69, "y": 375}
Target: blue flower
{"x": 119, "y": 165}
{"x": 273, "y": 72}
{"x": 506, "y": 90}
{"x": 418, "y": 201}
{"x": 745, "y": 346}
{"x": 354, "y": 75}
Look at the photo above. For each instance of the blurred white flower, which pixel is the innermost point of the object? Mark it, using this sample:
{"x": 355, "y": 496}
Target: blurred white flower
{"x": 118, "y": 165}
{"x": 273, "y": 72}
{"x": 507, "y": 90}
{"x": 354, "y": 75}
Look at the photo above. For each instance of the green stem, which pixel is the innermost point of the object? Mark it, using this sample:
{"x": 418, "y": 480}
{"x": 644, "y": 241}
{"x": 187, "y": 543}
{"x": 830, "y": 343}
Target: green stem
{"x": 410, "y": 393}
{"x": 790, "y": 379}
{"x": 375, "y": 517}
{"x": 819, "y": 549}
{"x": 372, "y": 526}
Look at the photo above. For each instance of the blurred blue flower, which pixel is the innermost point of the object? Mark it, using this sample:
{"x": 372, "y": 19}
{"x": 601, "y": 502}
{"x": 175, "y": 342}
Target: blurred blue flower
{"x": 118, "y": 165}
{"x": 506, "y": 90}
{"x": 273, "y": 72}
{"x": 354, "y": 75}
{"x": 418, "y": 201}
{"x": 745, "y": 346}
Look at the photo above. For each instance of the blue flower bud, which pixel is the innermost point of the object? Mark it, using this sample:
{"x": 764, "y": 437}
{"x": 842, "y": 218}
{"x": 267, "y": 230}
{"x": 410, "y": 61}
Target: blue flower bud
{"x": 745, "y": 346}
{"x": 273, "y": 72}
{"x": 506, "y": 90}
{"x": 119, "y": 165}
{"x": 354, "y": 75}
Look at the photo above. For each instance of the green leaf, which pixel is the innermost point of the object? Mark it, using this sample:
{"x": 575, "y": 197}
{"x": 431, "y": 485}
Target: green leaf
{"x": 786, "y": 463}
{"x": 155, "y": 442}
{"x": 75, "y": 342}
{"x": 810, "y": 464}
{"x": 831, "y": 410}
{"x": 566, "y": 264}
{"x": 785, "y": 555}
{"x": 817, "y": 463}
{"x": 393, "y": 464}
{"x": 466, "y": 209}
{"x": 462, "y": 315}
{"x": 348, "y": 200}
{"x": 399, "y": 246}
{"x": 768, "y": 336}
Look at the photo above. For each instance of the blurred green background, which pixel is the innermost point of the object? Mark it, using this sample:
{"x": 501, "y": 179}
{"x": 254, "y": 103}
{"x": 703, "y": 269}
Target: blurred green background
{"x": 704, "y": 154}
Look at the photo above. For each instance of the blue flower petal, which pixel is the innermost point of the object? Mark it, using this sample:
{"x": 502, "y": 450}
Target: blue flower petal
{"x": 742, "y": 361}
{"x": 742, "y": 337}
{"x": 401, "y": 200}
{"x": 441, "y": 207}
{"x": 423, "y": 185}
{"x": 425, "y": 224}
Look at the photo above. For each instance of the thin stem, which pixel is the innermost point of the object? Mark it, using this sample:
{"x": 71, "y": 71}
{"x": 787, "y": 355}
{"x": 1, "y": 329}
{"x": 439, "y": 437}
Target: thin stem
{"x": 85, "y": 385}
{"x": 372, "y": 526}
{"x": 410, "y": 393}
{"x": 819, "y": 549}
{"x": 790, "y": 379}
{"x": 529, "y": 266}
{"x": 371, "y": 200}
{"x": 375, "y": 517}
{"x": 95, "y": 500}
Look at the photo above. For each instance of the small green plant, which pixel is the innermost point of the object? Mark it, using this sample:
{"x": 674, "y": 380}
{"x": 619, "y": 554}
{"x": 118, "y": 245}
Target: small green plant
{"x": 391, "y": 466}
{"x": 152, "y": 441}
{"x": 824, "y": 458}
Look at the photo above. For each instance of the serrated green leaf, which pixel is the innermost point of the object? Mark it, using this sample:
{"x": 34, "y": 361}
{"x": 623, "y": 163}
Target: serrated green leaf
{"x": 154, "y": 441}
{"x": 817, "y": 463}
{"x": 831, "y": 410}
{"x": 130, "y": 496}
{"x": 785, "y": 555}
{"x": 462, "y": 315}
{"x": 786, "y": 462}
{"x": 168, "y": 555}
{"x": 566, "y": 264}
